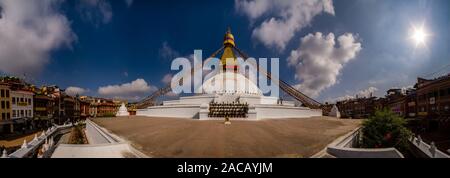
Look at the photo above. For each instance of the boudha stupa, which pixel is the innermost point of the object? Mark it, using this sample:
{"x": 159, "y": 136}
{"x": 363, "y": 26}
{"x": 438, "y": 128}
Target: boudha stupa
{"x": 230, "y": 95}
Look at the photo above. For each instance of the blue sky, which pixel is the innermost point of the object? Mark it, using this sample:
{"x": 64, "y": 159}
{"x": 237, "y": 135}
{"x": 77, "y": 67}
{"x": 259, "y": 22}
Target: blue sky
{"x": 109, "y": 44}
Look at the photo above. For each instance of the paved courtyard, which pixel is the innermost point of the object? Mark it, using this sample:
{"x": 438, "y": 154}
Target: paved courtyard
{"x": 186, "y": 138}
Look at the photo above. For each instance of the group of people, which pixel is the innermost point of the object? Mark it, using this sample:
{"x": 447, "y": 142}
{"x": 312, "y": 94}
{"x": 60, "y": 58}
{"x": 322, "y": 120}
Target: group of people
{"x": 231, "y": 110}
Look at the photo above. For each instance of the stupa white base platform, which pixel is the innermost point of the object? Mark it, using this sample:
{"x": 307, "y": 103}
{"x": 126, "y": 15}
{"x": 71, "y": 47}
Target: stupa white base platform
{"x": 197, "y": 107}
{"x": 231, "y": 88}
{"x": 123, "y": 114}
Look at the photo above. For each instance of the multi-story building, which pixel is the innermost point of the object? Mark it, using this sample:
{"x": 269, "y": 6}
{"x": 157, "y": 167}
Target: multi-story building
{"x": 99, "y": 107}
{"x": 93, "y": 109}
{"x": 22, "y": 109}
{"x": 90, "y": 103}
{"x": 433, "y": 98}
{"x": 410, "y": 104}
{"x": 396, "y": 101}
{"x": 22, "y": 104}
{"x": 69, "y": 108}
{"x": 59, "y": 108}
{"x": 76, "y": 109}
{"x": 358, "y": 107}
{"x": 43, "y": 110}
{"x": 5, "y": 109}
{"x": 84, "y": 108}
{"x": 105, "y": 107}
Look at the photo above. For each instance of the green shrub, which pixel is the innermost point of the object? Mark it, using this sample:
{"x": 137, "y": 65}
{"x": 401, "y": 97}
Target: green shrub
{"x": 385, "y": 129}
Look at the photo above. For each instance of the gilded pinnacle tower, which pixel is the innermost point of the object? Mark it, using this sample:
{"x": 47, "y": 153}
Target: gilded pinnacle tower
{"x": 228, "y": 53}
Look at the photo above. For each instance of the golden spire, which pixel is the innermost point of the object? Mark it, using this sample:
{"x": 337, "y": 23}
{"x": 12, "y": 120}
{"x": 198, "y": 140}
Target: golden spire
{"x": 229, "y": 38}
{"x": 228, "y": 53}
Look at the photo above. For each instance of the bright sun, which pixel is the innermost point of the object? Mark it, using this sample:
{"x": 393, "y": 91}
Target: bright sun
{"x": 419, "y": 35}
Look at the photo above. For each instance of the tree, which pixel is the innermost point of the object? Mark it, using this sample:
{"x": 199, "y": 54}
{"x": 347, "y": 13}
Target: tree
{"x": 385, "y": 129}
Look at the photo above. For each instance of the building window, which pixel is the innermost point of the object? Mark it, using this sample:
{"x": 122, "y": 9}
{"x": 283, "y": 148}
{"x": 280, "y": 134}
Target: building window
{"x": 2, "y": 93}
{"x": 21, "y": 113}
{"x": 442, "y": 92}
{"x": 29, "y": 101}
{"x": 21, "y": 100}
{"x": 3, "y": 105}
{"x": 7, "y": 104}
{"x": 3, "y": 116}
{"x": 7, "y": 93}
{"x": 14, "y": 113}
{"x": 8, "y": 116}
{"x": 13, "y": 100}
{"x": 29, "y": 113}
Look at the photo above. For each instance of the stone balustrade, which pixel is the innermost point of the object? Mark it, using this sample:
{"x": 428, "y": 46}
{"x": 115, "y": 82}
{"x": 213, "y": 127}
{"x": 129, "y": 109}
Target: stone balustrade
{"x": 45, "y": 142}
{"x": 345, "y": 148}
{"x": 95, "y": 135}
{"x": 101, "y": 144}
{"x": 427, "y": 150}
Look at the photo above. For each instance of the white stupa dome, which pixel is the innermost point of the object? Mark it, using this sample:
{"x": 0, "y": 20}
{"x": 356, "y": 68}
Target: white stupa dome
{"x": 232, "y": 83}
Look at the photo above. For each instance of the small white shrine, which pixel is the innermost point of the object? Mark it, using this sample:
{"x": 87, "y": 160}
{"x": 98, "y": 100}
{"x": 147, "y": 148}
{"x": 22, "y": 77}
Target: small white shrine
{"x": 123, "y": 111}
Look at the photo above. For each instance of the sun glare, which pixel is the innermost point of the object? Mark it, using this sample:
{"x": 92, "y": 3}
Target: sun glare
{"x": 419, "y": 36}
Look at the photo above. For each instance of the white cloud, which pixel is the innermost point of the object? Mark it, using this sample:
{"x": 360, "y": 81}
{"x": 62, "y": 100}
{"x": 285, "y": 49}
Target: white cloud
{"x": 341, "y": 98}
{"x": 253, "y": 9}
{"x": 367, "y": 92}
{"x": 129, "y": 2}
{"x": 361, "y": 94}
{"x": 29, "y": 31}
{"x": 167, "y": 79}
{"x": 134, "y": 90}
{"x": 319, "y": 60}
{"x": 404, "y": 89}
{"x": 73, "y": 91}
{"x": 95, "y": 11}
{"x": 167, "y": 52}
{"x": 282, "y": 19}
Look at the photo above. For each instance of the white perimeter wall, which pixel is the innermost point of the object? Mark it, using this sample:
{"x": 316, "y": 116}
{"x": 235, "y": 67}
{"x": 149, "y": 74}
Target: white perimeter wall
{"x": 282, "y": 112}
{"x": 269, "y": 100}
{"x": 178, "y": 111}
{"x": 261, "y": 112}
